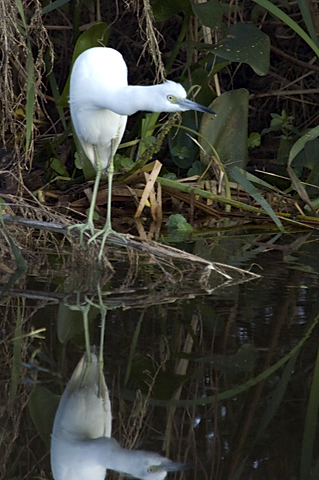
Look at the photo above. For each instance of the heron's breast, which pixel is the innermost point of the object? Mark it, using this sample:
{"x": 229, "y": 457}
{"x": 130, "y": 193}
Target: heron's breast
{"x": 100, "y": 126}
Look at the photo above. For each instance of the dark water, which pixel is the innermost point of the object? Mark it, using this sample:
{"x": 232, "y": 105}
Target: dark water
{"x": 223, "y": 377}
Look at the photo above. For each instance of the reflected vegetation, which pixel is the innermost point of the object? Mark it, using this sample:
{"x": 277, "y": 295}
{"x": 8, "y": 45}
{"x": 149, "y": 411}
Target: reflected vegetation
{"x": 216, "y": 373}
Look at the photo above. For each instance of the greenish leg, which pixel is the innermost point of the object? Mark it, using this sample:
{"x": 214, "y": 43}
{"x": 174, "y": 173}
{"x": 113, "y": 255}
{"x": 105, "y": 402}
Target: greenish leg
{"x": 103, "y": 312}
{"x": 108, "y": 227}
{"x": 87, "y": 334}
{"x": 84, "y": 308}
{"x": 89, "y": 225}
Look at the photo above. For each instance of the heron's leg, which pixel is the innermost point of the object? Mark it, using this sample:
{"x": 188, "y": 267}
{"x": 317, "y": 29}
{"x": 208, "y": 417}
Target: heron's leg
{"x": 108, "y": 226}
{"x": 103, "y": 312}
{"x": 89, "y": 225}
{"x": 84, "y": 308}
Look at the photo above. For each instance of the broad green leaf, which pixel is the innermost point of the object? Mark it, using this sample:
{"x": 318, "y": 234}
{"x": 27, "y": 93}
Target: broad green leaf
{"x": 299, "y": 153}
{"x": 196, "y": 169}
{"x": 164, "y": 9}
{"x": 209, "y": 13}
{"x": 59, "y": 167}
{"x": 70, "y": 322}
{"x": 308, "y": 156}
{"x": 42, "y": 406}
{"x": 178, "y": 222}
{"x": 247, "y": 44}
{"x": 227, "y": 130}
{"x": 182, "y": 141}
{"x": 308, "y": 159}
{"x": 300, "y": 143}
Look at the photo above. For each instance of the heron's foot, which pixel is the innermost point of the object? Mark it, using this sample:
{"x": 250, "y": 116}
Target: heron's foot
{"x": 83, "y": 227}
{"x": 107, "y": 230}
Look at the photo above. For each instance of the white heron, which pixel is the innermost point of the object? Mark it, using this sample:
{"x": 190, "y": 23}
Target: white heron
{"x": 100, "y": 101}
{"x": 81, "y": 447}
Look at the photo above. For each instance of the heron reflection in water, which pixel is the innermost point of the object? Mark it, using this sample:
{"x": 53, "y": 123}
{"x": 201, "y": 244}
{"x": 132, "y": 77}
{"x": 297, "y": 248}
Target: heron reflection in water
{"x": 81, "y": 444}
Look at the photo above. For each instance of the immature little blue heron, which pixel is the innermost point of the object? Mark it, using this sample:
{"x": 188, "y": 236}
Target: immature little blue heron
{"x": 81, "y": 447}
{"x": 100, "y": 101}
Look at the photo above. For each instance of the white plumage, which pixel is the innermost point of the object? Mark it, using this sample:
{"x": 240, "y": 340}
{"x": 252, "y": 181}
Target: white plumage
{"x": 100, "y": 101}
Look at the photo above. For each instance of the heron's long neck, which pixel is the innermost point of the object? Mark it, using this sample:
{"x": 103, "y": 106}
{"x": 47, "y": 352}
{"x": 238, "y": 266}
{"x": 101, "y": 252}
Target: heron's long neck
{"x": 130, "y": 99}
{"x": 109, "y": 454}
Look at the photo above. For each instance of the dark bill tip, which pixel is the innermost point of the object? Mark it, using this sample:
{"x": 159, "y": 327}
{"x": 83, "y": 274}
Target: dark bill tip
{"x": 175, "y": 466}
{"x": 189, "y": 105}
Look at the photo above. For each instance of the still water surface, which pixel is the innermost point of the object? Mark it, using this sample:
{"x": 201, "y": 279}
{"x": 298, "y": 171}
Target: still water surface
{"x": 225, "y": 379}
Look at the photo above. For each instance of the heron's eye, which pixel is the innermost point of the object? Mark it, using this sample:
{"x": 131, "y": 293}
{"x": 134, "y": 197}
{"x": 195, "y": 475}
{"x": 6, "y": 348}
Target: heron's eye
{"x": 152, "y": 469}
{"x": 171, "y": 98}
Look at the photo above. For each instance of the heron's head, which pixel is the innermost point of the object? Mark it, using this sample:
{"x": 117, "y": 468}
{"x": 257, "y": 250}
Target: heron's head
{"x": 151, "y": 466}
{"x": 176, "y": 101}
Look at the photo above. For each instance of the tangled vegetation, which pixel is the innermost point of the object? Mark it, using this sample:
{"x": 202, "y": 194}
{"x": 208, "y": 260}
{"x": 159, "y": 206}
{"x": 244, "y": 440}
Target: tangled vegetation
{"x": 252, "y": 164}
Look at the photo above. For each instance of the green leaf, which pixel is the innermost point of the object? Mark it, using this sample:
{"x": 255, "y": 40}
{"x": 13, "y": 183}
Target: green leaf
{"x": 182, "y": 141}
{"x": 305, "y": 155}
{"x": 77, "y": 161}
{"x": 96, "y": 216}
{"x": 54, "y": 6}
{"x": 308, "y": 158}
{"x": 300, "y": 144}
{"x": 122, "y": 162}
{"x": 209, "y": 13}
{"x": 240, "y": 177}
{"x": 290, "y": 22}
{"x": 70, "y": 322}
{"x": 247, "y": 44}
{"x": 170, "y": 176}
{"x": 254, "y": 140}
{"x": 227, "y": 131}
{"x": 180, "y": 151}
{"x": 178, "y": 222}
{"x": 164, "y": 9}
{"x": 59, "y": 167}
{"x": 30, "y": 98}
{"x": 196, "y": 169}
{"x": 42, "y": 406}
{"x": 307, "y": 17}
